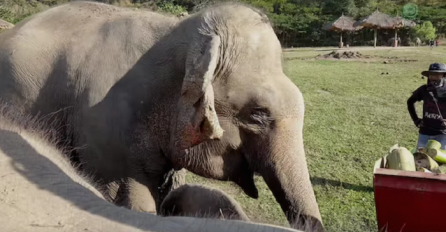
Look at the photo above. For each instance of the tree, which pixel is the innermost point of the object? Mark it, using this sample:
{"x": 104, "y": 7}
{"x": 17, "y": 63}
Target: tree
{"x": 338, "y": 7}
{"x": 426, "y": 31}
{"x": 296, "y": 22}
{"x": 436, "y": 15}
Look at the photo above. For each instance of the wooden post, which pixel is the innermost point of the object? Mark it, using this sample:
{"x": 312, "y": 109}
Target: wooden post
{"x": 341, "y": 44}
{"x": 375, "y": 37}
{"x": 395, "y": 43}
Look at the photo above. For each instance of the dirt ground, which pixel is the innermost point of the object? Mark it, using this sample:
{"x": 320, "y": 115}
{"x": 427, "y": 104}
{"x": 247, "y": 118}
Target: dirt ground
{"x": 362, "y": 48}
{"x": 354, "y": 54}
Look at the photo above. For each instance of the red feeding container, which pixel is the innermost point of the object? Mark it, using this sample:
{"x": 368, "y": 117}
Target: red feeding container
{"x": 408, "y": 201}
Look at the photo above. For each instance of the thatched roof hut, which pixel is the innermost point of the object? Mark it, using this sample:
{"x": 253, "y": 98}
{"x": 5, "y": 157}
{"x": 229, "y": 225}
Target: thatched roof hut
{"x": 5, "y": 25}
{"x": 406, "y": 23}
{"x": 378, "y": 20}
{"x": 343, "y": 23}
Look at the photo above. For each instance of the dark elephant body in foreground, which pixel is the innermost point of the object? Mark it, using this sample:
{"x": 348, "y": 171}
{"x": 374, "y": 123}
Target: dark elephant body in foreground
{"x": 137, "y": 94}
{"x": 41, "y": 192}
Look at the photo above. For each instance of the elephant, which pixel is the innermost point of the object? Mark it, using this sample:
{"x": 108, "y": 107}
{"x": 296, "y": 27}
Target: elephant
{"x": 135, "y": 95}
{"x": 418, "y": 42}
{"x": 391, "y": 42}
{"x": 199, "y": 201}
{"x": 41, "y": 191}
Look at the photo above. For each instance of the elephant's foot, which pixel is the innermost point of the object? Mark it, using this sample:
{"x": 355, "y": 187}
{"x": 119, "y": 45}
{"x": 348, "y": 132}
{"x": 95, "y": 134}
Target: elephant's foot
{"x": 146, "y": 193}
{"x": 135, "y": 196}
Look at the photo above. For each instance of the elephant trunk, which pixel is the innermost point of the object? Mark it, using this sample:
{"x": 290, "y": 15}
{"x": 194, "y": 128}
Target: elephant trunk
{"x": 287, "y": 177}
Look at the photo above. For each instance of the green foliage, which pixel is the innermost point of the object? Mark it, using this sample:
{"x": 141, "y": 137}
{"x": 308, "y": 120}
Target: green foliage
{"x": 435, "y": 14}
{"x": 169, "y": 7}
{"x": 296, "y": 22}
{"x": 14, "y": 11}
{"x": 425, "y": 31}
{"x": 6, "y": 14}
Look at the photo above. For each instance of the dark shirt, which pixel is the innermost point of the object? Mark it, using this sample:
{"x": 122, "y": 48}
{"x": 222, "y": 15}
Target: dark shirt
{"x": 432, "y": 120}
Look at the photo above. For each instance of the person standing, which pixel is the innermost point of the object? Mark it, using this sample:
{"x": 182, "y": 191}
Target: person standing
{"x": 431, "y": 43}
{"x": 432, "y": 125}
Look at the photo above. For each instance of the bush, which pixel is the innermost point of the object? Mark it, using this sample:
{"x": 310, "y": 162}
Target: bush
{"x": 15, "y": 11}
{"x": 425, "y": 31}
{"x": 169, "y": 7}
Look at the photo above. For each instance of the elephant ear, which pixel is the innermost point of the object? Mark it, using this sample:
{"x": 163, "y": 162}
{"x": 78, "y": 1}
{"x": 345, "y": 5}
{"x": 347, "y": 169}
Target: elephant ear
{"x": 197, "y": 120}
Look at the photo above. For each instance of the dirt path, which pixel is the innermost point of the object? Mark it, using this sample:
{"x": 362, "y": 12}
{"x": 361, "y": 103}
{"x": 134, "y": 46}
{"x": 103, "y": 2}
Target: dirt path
{"x": 368, "y": 48}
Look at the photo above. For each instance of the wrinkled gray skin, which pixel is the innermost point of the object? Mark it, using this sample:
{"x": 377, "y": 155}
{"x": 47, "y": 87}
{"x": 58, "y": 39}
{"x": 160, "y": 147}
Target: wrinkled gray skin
{"x": 199, "y": 201}
{"x": 139, "y": 93}
{"x": 41, "y": 192}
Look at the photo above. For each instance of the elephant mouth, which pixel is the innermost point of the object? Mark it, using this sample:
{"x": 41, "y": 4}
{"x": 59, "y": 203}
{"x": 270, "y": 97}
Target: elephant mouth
{"x": 243, "y": 175}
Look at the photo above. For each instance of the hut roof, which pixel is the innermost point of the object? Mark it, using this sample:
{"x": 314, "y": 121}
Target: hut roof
{"x": 343, "y": 23}
{"x": 5, "y": 25}
{"x": 381, "y": 20}
{"x": 406, "y": 23}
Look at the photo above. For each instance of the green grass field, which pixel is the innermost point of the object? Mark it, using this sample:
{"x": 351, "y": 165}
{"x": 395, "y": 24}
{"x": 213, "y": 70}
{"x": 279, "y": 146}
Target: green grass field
{"x": 353, "y": 115}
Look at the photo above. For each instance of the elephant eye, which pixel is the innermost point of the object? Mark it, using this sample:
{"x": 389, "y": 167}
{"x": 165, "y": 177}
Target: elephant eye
{"x": 199, "y": 102}
{"x": 259, "y": 111}
{"x": 261, "y": 115}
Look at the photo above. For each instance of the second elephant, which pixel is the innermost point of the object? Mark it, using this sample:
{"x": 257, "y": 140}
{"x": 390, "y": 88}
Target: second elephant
{"x": 199, "y": 201}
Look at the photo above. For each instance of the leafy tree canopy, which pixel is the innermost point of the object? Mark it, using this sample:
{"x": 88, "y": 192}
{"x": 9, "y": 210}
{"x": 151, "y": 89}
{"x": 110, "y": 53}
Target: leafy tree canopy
{"x": 296, "y": 22}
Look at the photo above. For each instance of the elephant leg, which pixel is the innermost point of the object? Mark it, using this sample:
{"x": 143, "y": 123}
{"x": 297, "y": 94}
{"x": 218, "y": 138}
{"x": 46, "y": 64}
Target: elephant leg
{"x": 146, "y": 192}
{"x": 135, "y": 194}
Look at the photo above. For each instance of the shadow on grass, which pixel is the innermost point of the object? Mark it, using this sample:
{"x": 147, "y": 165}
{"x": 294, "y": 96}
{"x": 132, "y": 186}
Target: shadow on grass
{"x": 336, "y": 183}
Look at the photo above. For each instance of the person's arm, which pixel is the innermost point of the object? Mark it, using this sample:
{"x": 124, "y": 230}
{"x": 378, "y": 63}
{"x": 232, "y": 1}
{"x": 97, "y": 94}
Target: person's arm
{"x": 416, "y": 96}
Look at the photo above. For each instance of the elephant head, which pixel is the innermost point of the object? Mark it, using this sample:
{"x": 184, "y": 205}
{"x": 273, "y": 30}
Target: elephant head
{"x": 238, "y": 113}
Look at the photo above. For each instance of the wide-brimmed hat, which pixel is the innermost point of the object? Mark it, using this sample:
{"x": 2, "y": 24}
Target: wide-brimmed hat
{"x": 435, "y": 68}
